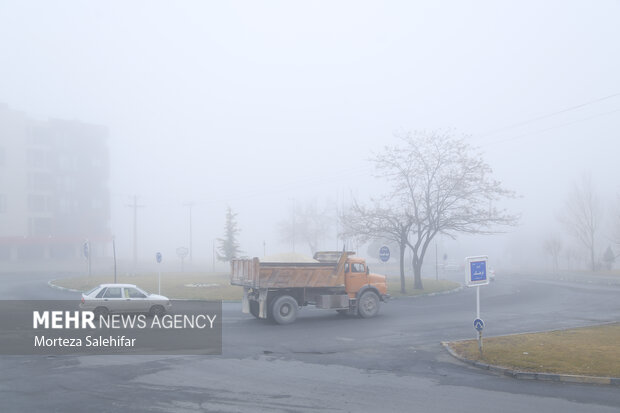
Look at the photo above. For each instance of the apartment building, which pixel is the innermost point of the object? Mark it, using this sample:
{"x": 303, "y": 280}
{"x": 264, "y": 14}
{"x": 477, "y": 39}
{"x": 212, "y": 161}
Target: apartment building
{"x": 53, "y": 188}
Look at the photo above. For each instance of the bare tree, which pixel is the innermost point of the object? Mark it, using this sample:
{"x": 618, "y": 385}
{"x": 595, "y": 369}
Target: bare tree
{"x": 553, "y": 247}
{"x": 582, "y": 216}
{"x": 380, "y": 222}
{"x": 307, "y": 224}
{"x": 445, "y": 187}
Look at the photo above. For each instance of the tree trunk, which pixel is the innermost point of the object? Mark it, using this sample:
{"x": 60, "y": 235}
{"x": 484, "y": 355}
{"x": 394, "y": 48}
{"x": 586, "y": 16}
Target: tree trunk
{"x": 417, "y": 274}
{"x": 402, "y": 268}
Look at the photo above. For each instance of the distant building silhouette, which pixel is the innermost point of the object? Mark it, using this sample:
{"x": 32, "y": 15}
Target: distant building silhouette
{"x": 53, "y": 189}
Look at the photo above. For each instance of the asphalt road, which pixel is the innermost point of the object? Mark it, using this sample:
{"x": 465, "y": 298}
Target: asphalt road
{"x": 328, "y": 362}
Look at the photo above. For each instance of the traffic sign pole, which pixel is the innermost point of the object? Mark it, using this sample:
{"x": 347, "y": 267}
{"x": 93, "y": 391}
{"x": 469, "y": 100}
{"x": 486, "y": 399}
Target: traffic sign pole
{"x": 478, "y": 317}
{"x": 158, "y": 258}
{"x": 475, "y": 276}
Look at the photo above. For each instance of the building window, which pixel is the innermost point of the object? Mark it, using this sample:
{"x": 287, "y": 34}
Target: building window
{"x": 40, "y": 226}
{"x": 38, "y": 203}
{"x": 39, "y": 181}
{"x": 38, "y": 159}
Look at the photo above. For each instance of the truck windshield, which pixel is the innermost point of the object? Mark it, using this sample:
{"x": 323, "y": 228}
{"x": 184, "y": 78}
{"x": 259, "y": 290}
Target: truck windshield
{"x": 357, "y": 267}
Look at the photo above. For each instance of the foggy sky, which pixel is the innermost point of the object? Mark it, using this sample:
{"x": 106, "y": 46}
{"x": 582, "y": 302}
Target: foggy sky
{"x": 259, "y": 105}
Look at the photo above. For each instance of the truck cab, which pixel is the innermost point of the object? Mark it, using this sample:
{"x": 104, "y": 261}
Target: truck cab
{"x": 357, "y": 276}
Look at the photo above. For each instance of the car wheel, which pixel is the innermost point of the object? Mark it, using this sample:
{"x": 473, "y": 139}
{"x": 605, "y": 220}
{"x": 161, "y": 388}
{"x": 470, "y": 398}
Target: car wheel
{"x": 157, "y": 310}
{"x": 284, "y": 309}
{"x": 368, "y": 305}
{"x": 254, "y": 308}
{"x": 101, "y": 312}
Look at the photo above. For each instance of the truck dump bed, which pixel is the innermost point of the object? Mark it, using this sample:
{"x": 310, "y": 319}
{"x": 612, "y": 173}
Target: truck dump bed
{"x": 255, "y": 274}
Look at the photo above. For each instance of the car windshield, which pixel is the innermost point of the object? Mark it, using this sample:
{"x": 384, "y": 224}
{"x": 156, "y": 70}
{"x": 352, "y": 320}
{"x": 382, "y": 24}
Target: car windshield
{"x": 143, "y": 292}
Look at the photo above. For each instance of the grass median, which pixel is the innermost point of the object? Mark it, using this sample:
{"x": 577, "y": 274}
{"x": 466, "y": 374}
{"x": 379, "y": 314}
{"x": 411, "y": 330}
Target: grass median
{"x": 430, "y": 286}
{"x": 587, "y": 351}
{"x": 213, "y": 286}
{"x": 198, "y": 286}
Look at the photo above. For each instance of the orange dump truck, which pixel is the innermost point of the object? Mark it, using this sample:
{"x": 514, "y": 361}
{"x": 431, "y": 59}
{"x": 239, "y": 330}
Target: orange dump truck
{"x": 336, "y": 281}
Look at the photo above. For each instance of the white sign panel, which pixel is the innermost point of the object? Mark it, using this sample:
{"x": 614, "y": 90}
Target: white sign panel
{"x": 476, "y": 271}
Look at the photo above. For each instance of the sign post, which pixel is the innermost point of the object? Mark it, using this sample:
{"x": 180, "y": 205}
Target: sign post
{"x": 182, "y": 252}
{"x": 475, "y": 276}
{"x": 158, "y": 258}
{"x": 86, "y": 248}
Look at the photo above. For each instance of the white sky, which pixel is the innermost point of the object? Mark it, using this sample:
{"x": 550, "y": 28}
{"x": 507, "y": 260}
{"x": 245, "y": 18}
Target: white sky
{"x": 256, "y": 104}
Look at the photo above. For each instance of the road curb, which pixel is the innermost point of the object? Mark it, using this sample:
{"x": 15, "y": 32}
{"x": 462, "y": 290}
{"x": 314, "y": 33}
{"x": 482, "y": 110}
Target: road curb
{"x": 452, "y": 291}
{"x": 529, "y": 375}
{"x": 58, "y": 287}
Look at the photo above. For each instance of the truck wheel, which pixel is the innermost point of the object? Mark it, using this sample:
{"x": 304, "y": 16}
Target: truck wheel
{"x": 284, "y": 309}
{"x": 254, "y": 308}
{"x": 368, "y": 305}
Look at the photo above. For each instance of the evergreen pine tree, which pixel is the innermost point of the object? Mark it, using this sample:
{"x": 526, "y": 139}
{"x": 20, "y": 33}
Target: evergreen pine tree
{"x": 228, "y": 245}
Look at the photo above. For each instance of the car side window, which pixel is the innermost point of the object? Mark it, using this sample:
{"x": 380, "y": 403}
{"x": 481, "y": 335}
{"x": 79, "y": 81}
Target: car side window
{"x": 133, "y": 293}
{"x": 357, "y": 267}
{"x": 113, "y": 292}
{"x": 346, "y": 267}
{"x": 100, "y": 294}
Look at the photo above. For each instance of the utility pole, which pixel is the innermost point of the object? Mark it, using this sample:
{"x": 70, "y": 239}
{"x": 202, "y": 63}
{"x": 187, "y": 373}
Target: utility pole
{"x": 114, "y": 254}
{"x": 293, "y": 224}
{"x": 190, "y": 205}
{"x": 135, "y": 207}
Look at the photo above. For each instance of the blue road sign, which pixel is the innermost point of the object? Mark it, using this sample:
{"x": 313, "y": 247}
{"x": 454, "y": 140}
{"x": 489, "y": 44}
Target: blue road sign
{"x": 478, "y": 324}
{"x": 158, "y": 257}
{"x": 384, "y": 254}
{"x": 478, "y": 271}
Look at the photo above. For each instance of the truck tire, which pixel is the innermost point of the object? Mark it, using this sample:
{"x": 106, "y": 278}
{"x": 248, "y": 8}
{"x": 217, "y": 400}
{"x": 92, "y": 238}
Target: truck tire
{"x": 368, "y": 305}
{"x": 284, "y": 309}
{"x": 254, "y": 308}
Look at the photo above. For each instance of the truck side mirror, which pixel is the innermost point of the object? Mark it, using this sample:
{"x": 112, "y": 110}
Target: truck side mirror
{"x": 367, "y": 270}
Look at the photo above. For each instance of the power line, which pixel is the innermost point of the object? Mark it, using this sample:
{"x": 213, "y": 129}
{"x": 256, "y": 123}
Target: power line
{"x": 571, "y": 108}
{"x": 551, "y": 128}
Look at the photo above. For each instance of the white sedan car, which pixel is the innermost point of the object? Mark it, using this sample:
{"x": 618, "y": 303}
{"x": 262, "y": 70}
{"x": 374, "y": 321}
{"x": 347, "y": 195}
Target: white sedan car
{"x": 123, "y": 298}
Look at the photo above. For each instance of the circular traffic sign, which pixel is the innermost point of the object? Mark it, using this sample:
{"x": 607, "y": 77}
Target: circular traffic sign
{"x": 478, "y": 324}
{"x": 182, "y": 252}
{"x": 384, "y": 253}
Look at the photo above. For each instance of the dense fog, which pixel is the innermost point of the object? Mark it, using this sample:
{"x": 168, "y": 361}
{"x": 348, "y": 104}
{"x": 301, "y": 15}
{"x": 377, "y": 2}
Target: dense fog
{"x": 270, "y": 106}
